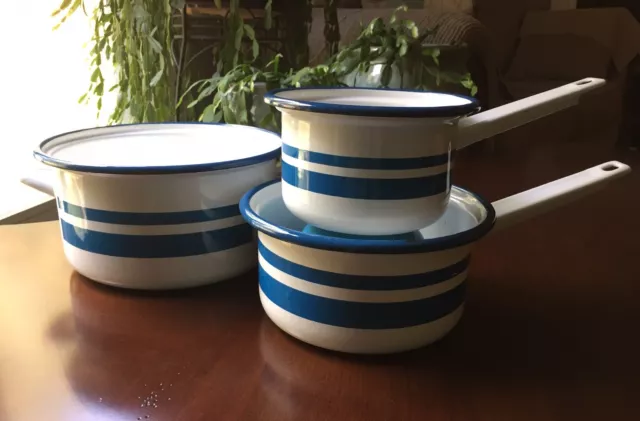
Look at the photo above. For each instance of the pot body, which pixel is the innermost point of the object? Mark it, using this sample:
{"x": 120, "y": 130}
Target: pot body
{"x": 366, "y": 175}
{"x": 358, "y": 302}
{"x": 158, "y": 231}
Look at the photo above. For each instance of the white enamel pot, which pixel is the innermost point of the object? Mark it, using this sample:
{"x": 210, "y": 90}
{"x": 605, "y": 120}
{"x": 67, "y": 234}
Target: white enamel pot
{"x": 360, "y": 295}
{"x": 155, "y": 206}
{"x": 378, "y": 161}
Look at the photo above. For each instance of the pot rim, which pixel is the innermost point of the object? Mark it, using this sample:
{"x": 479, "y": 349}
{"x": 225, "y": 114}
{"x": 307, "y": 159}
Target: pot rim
{"x": 366, "y": 246}
{"x": 275, "y": 99}
{"x": 41, "y": 155}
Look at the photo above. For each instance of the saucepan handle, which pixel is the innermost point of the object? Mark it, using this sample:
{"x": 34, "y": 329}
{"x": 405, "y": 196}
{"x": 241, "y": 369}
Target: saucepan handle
{"x": 530, "y": 203}
{"x": 41, "y": 179}
{"x": 501, "y": 119}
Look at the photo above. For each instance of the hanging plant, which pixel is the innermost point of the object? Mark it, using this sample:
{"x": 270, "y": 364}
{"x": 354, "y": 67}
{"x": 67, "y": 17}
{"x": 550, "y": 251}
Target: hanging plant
{"x": 134, "y": 35}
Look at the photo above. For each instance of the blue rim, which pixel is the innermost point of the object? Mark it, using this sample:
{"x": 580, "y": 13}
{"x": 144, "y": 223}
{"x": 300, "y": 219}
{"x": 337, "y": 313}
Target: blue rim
{"x": 47, "y": 159}
{"x": 273, "y": 98}
{"x": 365, "y": 246}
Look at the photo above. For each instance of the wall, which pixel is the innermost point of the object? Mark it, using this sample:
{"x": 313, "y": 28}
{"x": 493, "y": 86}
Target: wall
{"x": 503, "y": 18}
{"x": 563, "y": 4}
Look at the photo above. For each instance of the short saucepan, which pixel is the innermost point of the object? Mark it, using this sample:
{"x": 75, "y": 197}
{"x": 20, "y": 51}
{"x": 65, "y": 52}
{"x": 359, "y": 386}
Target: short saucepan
{"x": 155, "y": 206}
{"x": 363, "y": 295}
{"x": 378, "y": 161}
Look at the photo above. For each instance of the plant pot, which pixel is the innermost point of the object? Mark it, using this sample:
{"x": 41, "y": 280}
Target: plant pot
{"x": 373, "y": 78}
{"x": 452, "y": 59}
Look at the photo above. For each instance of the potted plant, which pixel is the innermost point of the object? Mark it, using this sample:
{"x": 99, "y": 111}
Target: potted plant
{"x": 390, "y": 55}
{"x": 236, "y": 96}
{"x": 395, "y": 55}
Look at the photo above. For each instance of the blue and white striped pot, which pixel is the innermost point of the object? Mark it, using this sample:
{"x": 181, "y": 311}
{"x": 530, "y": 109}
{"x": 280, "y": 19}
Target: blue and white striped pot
{"x": 364, "y": 295}
{"x": 378, "y": 161}
{"x": 155, "y": 206}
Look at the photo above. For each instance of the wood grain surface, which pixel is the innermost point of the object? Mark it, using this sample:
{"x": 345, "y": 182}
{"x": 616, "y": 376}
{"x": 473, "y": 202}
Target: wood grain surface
{"x": 550, "y": 330}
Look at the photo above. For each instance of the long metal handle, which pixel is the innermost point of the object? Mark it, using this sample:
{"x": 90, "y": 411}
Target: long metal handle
{"x": 501, "y": 119}
{"x": 533, "y": 202}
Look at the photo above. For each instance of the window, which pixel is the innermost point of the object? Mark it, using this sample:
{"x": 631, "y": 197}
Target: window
{"x": 42, "y": 75}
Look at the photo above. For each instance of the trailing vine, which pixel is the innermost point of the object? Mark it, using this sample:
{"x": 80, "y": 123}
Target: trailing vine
{"x": 135, "y": 36}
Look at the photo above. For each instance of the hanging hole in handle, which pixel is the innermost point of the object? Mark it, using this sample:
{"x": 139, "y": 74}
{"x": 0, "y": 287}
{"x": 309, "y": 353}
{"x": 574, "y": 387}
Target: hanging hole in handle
{"x": 584, "y": 82}
{"x": 609, "y": 167}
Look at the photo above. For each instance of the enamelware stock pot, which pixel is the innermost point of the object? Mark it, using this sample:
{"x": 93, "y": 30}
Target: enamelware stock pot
{"x": 155, "y": 206}
{"x": 364, "y": 295}
{"x": 378, "y": 161}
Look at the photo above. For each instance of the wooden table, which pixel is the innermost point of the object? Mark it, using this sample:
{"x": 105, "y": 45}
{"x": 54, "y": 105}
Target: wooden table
{"x": 550, "y": 331}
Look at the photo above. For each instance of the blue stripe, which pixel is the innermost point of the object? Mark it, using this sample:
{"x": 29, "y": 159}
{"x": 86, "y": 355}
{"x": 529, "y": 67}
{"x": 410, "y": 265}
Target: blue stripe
{"x": 151, "y": 218}
{"x": 361, "y": 315}
{"x": 156, "y": 246}
{"x": 365, "y": 163}
{"x": 365, "y": 188}
{"x": 362, "y": 282}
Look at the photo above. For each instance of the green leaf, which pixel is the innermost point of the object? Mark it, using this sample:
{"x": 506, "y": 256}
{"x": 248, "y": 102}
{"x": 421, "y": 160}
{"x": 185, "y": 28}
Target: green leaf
{"x": 83, "y": 98}
{"x": 249, "y": 31}
{"x": 238, "y": 37}
{"x": 139, "y": 12}
{"x": 218, "y": 3}
{"x": 207, "y": 114}
{"x": 63, "y": 6}
{"x": 95, "y": 75}
{"x": 434, "y": 53}
{"x": 156, "y": 78}
{"x": 403, "y": 45}
{"x": 251, "y": 34}
{"x": 155, "y": 45}
{"x": 99, "y": 104}
{"x": 268, "y": 17}
{"x": 299, "y": 75}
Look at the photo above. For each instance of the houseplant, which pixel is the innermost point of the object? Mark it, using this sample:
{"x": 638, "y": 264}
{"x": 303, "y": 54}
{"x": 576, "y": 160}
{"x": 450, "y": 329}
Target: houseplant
{"x": 135, "y": 36}
{"x": 385, "y": 55}
{"x": 395, "y": 55}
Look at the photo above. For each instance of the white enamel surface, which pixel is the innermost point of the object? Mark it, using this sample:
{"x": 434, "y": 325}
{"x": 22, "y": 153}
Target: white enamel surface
{"x": 463, "y": 214}
{"x": 367, "y": 137}
{"x": 161, "y": 145}
{"x": 160, "y": 274}
{"x": 374, "y": 98}
{"x": 364, "y": 137}
{"x": 360, "y": 341}
{"x": 363, "y": 217}
{"x": 160, "y": 193}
